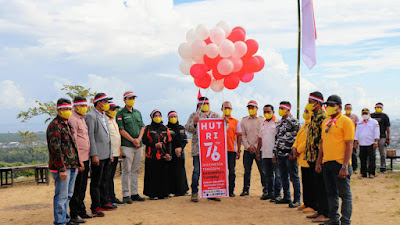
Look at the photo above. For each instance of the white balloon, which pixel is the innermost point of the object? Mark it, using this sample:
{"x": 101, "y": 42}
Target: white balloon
{"x": 185, "y": 50}
{"x": 185, "y": 66}
{"x": 225, "y": 26}
{"x": 240, "y": 49}
{"x": 199, "y": 60}
{"x": 226, "y": 48}
{"x": 217, "y": 85}
{"x": 237, "y": 64}
{"x": 202, "y": 32}
{"x": 225, "y": 67}
{"x": 212, "y": 50}
{"x": 198, "y": 48}
{"x": 217, "y": 35}
{"x": 191, "y": 35}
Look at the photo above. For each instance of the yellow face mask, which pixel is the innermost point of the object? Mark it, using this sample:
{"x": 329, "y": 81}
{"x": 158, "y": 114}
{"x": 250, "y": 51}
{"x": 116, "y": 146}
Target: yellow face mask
{"x": 378, "y": 110}
{"x": 331, "y": 110}
{"x": 310, "y": 107}
{"x": 173, "y": 120}
{"x": 252, "y": 112}
{"x": 306, "y": 116}
{"x": 227, "y": 112}
{"x": 268, "y": 116}
{"x": 348, "y": 112}
{"x": 112, "y": 114}
{"x": 81, "y": 110}
{"x": 157, "y": 119}
{"x": 282, "y": 112}
{"x": 130, "y": 103}
{"x": 66, "y": 114}
{"x": 105, "y": 107}
{"x": 205, "y": 108}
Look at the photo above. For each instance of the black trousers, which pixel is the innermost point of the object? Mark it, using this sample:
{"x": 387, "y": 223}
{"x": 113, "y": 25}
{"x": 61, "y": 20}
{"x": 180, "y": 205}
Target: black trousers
{"x": 231, "y": 168}
{"x": 307, "y": 182}
{"x": 367, "y": 158}
{"x": 113, "y": 169}
{"x": 99, "y": 183}
{"x": 319, "y": 191}
{"x": 354, "y": 160}
{"x": 76, "y": 204}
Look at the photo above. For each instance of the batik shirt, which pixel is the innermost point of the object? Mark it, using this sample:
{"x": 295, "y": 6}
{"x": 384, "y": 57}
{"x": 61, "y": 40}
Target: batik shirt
{"x": 314, "y": 136}
{"x": 286, "y": 132}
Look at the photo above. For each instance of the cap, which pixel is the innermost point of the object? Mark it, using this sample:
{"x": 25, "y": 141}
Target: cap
{"x": 129, "y": 94}
{"x": 252, "y": 103}
{"x": 154, "y": 111}
{"x": 379, "y": 105}
{"x": 172, "y": 113}
{"x": 101, "y": 96}
{"x": 113, "y": 105}
{"x": 364, "y": 110}
{"x": 334, "y": 99}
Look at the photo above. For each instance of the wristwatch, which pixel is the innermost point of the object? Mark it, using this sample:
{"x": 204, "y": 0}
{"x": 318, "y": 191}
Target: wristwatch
{"x": 344, "y": 167}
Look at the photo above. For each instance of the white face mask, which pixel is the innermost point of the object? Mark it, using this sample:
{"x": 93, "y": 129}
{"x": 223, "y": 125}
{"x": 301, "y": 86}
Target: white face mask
{"x": 365, "y": 117}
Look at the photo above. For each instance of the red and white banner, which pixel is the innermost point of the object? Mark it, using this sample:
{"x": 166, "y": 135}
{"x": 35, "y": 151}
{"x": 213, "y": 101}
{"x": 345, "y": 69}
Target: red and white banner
{"x": 213, "y": 158}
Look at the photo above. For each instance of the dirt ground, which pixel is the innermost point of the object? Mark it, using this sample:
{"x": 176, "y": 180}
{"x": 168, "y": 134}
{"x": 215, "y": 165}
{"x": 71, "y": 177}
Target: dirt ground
{"x": 374, "y": 202}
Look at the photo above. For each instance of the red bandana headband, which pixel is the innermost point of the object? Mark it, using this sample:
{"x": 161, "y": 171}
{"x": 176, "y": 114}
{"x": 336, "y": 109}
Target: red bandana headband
{"x": 80, "y": 103}
{"x": 203, "y": 101}
{"x": 100, "y": 98}
{"x": 252, "y": 103}
{"x": 284, "y": 106}
{"x": 153, "y": 112}
{"x": 316, "y": 98}
{"x": 379, "y": 105}
{"x": 64, "y": 105}
{"x": 172, "y": 113}
{"x": 129, "y": 94}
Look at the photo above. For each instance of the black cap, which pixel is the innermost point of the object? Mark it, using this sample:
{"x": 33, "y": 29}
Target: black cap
{"x": 101, "y": 96}
{"x": 365, "y": 110}
{"x": 113, "y": 105}
{"x": 334, "y": 99}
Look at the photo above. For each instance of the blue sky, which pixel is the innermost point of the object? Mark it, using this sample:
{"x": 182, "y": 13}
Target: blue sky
{"x": 114, "y": 47}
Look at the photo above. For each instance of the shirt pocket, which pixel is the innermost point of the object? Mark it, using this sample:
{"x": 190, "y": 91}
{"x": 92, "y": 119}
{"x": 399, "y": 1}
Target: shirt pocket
{"x": 128, "y": 120}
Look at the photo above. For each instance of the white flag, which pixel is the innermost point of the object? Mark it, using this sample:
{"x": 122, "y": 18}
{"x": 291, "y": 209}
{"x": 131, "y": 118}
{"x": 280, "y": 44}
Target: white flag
{"x": 309, "y": 34}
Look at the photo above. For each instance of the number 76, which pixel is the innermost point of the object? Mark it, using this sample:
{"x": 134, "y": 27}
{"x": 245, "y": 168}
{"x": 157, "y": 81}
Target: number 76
{"x": 215, "y": 156}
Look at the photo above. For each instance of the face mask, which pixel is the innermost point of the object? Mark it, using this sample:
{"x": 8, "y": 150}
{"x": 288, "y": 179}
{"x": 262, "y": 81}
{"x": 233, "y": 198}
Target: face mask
{"x": 310, "y": 107}
{"x": 66, "y": 114}
{"x": 331, "y": 110}
{"x": 306, "y": 116}
{"x": 81, "y": 110}
{"x": 105, "y": 107}
{"x": 282, "y": 112}
{"x": 173, "y": 120}
{"x": 348, "y": 112}
{"x": 252, "y": 112}
{"x": 378, "y": 110}
{"x": 205, "y": 108}
{"x": 157, "y": 119}
{"x": 112, "y": 114}
{"x": 365, "y": 117}
{"x": 227, "y": 112}
{"x": 268, "y": 116}
{"x": 130, "y": 103}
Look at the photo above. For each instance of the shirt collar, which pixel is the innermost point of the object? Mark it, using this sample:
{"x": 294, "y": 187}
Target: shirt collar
{"x": 101, "y": 114}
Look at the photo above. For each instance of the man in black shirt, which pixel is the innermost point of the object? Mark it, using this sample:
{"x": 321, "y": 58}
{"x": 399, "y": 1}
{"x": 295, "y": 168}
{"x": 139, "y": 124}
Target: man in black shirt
{"x": 384, "y": 128}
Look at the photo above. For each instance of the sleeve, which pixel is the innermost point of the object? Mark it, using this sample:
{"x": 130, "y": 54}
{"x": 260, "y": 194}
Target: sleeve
{"x": 169, "y": 143}
{"x": 245, "y": 142}
{"x": 238, "y": 128}
{"x": 54, "y": 145}
{"x": 260, "y": 132}
{"x": 147, "y": 139}
{"x": 348, "y": 130}
{"x": 141, "y": 124}
{"x": 356, "y": 119}
{"x": 74, "y": 124}
{"x": 357, "y": 133}
{"x": 296, "y": 141}
{"x": 387, "y": 121}
{"x": 376, "y": 130}
{"x": 183, "y": 138}
{"x": 120, "y": 121}
{"x": 189, "y": 124}
{"x": 91, "y": 123}
{"x": 301, "y": 147}
{"x": 215, "y": 115}
{"x": 293, "y": 132}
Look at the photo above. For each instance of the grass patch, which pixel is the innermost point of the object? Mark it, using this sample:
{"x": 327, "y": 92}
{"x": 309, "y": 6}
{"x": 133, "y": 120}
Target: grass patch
{"x": 392, "y": 186}
{"x": 371, "y": 191}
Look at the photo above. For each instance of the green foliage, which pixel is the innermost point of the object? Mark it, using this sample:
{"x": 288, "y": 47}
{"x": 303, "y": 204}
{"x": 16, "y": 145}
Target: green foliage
{"x": 23, "y": 156}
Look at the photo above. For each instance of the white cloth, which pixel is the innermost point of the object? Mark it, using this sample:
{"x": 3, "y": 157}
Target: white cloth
{"x": 308, "y": 34}
{"x": 366, "y": 133}
{"x": 267, "y": 136}
{"x": 115, "y": 137}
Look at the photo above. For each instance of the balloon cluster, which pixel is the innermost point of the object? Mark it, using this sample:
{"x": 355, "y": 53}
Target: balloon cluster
{"x": 220, "y": 57}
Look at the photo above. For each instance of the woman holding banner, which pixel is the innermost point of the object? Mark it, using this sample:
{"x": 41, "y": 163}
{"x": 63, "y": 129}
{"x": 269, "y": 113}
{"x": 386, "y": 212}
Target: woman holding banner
{"x": 157, "y": 139}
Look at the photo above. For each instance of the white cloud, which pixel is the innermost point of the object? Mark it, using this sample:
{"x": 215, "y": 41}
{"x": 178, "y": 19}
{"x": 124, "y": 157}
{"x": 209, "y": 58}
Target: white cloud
{"x": 12, "y": 95}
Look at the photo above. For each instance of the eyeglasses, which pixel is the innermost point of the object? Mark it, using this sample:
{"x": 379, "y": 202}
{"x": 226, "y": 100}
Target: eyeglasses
{"x": 327, "y": 129}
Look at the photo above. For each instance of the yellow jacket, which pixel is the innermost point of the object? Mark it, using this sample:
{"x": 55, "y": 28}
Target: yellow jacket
{"x": 300, "y": 143}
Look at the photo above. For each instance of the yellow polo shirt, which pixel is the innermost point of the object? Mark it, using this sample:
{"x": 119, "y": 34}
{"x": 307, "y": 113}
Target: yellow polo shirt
{"x": 334, "y": 140}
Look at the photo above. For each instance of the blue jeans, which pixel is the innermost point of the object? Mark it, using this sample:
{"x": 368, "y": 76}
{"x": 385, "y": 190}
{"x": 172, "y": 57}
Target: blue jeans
{"x": 248, "y": 164}
{"x": 289, "y": 169}
{"x": 195, "y": 175}
{"x": 338, "y": 187}
{"x": 273, "y": 177}
{"x": 231, "y": 168}
{"x": 64, "y": 189}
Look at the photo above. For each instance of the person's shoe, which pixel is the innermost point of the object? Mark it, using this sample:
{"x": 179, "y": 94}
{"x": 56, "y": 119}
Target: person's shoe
{"x": 320, "y": 219}
{"x": 194, "y": 198}
{"x": 72, "y": 223}
{"x": 127, "y": 200}
{"x": 98, "y": 212}
{"x": 77, "y": 219}
{"x": 371, "y": 176}
{"x": 355, "y": 171}
{"x": 301, "y": 207}
{"x": 137, "y": 198}
{"x": 215, "y": 199}
{"x": 265, "y": 197}
{"x": 108, "y": 207}
{"x": 331, "y": 222}
{"x": 244, "y": 193}
{"x": 294, "y": 204}
{"x": 313, "y": 216}
{"x": 116, "y": 201}
{"x": 309, "y": 210}
{"x": 364, "y": 176}
{"x": 87, "y": 216}
{"x": 283, "y": 201}
{"x": 153, "y": 198}
{"x": 275, "y": 199}
{"x": 232, "y": 195}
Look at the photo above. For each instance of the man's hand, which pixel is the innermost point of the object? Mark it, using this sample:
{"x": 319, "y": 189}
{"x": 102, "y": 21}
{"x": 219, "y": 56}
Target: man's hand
{"x": 273, "y": 159}
{"x": 343, "y": 173}
{"x": 356, "y": 145}
{"x": 292, "y": 158}
{"x": 318, "y": 168}
{"x": 81, "y": 167}
{"x": 167, "y": 157}
{"x": 258, "y": 156}
{"x": 375, "y": 146}
{"x": 136, "y": 142}
{"x": 112, "y": 158}
{"x": 295, "y": 153}
{"x": 178, "y": 152}
{"x": 95, "y": 160}
{"x": 226, "y": 119}
{"x": 196, "y": 119}
{"x": 63, "y": 175}
{"x": 159, "y": 145}
{"x": 252, "y": 150}
{"x": 388, "y": 141}
{"x": 237, "y": 155}
{"x": 120, "y": 154}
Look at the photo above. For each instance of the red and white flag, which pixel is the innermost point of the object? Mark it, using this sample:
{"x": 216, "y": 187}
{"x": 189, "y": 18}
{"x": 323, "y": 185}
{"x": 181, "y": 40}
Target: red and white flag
{"x": 309, "y": 34}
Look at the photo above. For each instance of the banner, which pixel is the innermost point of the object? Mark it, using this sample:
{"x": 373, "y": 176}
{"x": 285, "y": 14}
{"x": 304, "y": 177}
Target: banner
{"x": 213, "y": 158}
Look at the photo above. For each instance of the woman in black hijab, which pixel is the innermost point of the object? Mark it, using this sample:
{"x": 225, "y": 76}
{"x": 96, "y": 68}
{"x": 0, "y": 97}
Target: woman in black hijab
{"x": 157, "y": 139}
{"x": 177, "y": 173}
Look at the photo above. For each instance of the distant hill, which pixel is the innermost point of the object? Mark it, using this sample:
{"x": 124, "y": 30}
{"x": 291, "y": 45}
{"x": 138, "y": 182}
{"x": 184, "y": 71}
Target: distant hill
{"x": 15, "y": 137}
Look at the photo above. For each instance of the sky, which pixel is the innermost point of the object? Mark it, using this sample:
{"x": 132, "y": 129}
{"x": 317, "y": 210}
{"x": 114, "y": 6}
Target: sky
{"x": 113, "y": 46}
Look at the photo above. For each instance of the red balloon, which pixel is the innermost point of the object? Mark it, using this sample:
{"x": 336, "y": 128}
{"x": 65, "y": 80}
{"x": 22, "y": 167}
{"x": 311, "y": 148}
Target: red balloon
{"x": 231, "y": 82}
{"x": 237, "y": 35}
{"x": 251, "y": 65}
{"x": 252, "y": 47}
{"x": 247, "y": 77}
{"x": 240, "y": 28}
{"x": 239, "y": 74}
{"x": 207, "y": 41}
{"x": 198, "y": 70}
{"x": 217, "y": 75}
{"x": 262, "y": 63}
{"x": 211, "y": 63}
{"x": 203, "y": 81}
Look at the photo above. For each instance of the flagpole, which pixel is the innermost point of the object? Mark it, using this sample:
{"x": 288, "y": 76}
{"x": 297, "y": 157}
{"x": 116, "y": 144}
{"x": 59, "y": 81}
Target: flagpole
{"x": 298, "y": 59}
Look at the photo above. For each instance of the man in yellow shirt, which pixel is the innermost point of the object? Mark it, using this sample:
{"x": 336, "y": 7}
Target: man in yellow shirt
{"x": 336, "y": 150}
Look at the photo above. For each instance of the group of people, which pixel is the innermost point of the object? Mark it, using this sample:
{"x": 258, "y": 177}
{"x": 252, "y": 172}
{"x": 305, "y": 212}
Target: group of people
{"x": 323, "y": 147}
